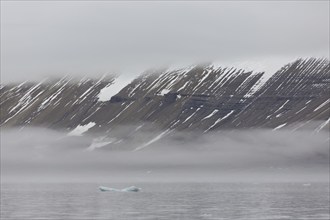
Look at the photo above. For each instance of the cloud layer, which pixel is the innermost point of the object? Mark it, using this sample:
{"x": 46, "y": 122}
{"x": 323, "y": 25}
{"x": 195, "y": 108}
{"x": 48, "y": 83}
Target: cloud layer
{"x": 39, "y": 39}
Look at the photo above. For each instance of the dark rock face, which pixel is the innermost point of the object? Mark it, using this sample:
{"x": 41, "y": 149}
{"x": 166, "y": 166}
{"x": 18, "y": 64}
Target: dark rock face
{"x": 201, "y": 98}
{"x": 294, "y": 94}
{"x": 57, "y": 104}
{"x": 115, "y": 99}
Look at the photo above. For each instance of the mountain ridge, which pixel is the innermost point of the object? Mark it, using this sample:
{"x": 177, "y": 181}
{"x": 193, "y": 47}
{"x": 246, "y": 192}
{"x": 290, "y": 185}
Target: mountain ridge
{"x": 198, "y": 98}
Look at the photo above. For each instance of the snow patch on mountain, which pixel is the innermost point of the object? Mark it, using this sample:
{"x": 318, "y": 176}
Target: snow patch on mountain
{"x": 219, "y": 120}
{"x": 323, "y": 104}
{"x": 210, "y": 115}
{"x": 80, "y": 129}
{"x": 318, "y": 129}
{"x": 157, "y": 138}
{"x": 98, "y": 143}
{"x": 113, "y": 88}
{"x": 279, "y": 127}
{"x": 164, "y": 92}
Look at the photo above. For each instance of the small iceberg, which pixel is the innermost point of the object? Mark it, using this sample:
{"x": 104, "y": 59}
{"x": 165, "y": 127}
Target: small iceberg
{"x": 128, "y": 189}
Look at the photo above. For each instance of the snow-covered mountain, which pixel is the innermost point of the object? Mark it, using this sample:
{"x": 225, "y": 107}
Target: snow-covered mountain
{"x": 198, "y": 98}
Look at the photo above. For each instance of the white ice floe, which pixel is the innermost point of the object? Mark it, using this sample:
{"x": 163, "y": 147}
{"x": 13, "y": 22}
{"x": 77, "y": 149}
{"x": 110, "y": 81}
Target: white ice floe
{"x": 128, "y": 189}
{"x": 80, "y": 129}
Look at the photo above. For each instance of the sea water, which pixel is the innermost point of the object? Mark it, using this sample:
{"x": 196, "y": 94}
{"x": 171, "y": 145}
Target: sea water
{"x": 166, "y": 201}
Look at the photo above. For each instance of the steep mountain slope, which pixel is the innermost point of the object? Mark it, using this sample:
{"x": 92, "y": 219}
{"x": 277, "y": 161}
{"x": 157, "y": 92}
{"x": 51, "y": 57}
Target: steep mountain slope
{"x": 55, "y": 103}
{"x": 201, "y": 98}
{"x": 299, "y": 92}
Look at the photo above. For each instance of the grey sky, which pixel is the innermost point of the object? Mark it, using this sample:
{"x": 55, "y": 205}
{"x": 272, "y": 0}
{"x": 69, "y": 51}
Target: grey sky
{"x": 80, "y": 37}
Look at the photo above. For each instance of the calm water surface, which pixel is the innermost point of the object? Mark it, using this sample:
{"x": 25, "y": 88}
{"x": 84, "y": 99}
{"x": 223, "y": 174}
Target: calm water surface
{"x": 166, "y": 201}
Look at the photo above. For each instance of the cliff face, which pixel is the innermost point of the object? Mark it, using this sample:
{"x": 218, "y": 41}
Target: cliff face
{"x": 201, "y": 98}
{"x": 56, "y": 103}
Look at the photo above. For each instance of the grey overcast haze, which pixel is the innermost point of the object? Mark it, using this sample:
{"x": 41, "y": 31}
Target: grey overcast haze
{"x": 54, "y": 38}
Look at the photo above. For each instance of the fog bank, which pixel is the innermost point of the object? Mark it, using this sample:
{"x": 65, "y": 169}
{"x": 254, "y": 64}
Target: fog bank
{"x": 41, "y": 155}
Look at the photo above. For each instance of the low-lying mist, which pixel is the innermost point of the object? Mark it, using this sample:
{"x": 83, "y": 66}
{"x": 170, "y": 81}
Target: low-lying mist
{"x": 42, "y": 155}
